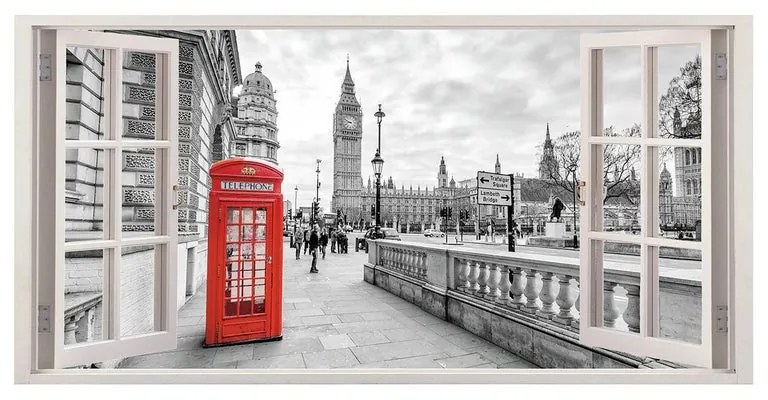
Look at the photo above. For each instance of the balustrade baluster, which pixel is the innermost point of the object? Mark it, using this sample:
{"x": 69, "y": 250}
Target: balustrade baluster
{"x": 577, "y": 304}
{"x": 70, "y": 328}
{"x": 493, "y": 282}
{"x": 411, "y": 264}
{"x": 547, "y": 296}
{"x": 459, "y": 267}
{"x": 423, "y": 265}
{"x": 531, "y": 292}
{"x": 517, "y": 287}
{"x": 482, "y": 279}
{"x": 610, "y": 311}
{"x": 473, "y": 276}
{"x": 564, "y": 302}
{"x": 632, "y": 313}
{"x": 504, "y": 285}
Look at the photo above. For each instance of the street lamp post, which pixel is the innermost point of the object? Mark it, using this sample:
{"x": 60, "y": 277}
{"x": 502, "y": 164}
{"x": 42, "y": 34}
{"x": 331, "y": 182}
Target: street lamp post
{"x": 317, "y": 192}
{"x": 378, "y": 165}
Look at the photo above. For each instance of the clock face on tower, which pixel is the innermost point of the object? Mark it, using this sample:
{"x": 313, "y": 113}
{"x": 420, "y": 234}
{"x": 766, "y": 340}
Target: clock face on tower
{"x": 350, "y": 122}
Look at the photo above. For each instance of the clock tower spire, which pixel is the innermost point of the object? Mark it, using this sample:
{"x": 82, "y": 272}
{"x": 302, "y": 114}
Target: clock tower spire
{"x": 347, "y": 147}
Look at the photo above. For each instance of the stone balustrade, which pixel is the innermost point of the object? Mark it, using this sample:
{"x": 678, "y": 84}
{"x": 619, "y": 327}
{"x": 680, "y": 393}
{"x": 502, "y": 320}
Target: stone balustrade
{"x": 405, "y": 259}
{"x": 82, "y": 317}
{"x": 463, "y": 285}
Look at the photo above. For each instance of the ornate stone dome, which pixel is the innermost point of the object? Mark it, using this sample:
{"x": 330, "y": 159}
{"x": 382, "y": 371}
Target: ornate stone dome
{"x": 257, "y": 83}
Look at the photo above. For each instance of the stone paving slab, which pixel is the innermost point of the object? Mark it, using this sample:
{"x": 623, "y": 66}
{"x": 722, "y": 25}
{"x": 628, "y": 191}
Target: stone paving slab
{"x": 335, "y": 320}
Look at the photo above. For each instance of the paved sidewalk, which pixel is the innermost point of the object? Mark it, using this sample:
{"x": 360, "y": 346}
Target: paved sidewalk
{"x": 335, "y": 320}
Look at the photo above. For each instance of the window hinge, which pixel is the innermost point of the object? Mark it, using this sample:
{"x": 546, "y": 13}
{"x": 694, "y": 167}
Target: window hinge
{"x": 219, "y": 214}
{"x": 218, "y": 271}
{"x": 721, "y": 319}
{"x": 45, "y": 67}
{"x": 44, "y": 319}
{"x": 216, "y": 331}
{"x": 721, "y": 66}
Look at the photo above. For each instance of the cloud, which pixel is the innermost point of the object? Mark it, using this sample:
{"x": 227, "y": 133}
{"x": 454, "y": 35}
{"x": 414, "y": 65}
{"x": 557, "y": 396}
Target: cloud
{"x": 466, "y": 94}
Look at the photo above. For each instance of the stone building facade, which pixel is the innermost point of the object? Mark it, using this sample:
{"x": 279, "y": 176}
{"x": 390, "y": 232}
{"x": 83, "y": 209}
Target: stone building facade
{"x": 255, "y": 118}
{"x": 347, "y": 149}
{"x": 208, "y": 70}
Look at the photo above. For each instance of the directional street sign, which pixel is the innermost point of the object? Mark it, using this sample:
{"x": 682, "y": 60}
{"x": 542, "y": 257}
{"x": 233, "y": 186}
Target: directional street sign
{"x": 494, "y": 189}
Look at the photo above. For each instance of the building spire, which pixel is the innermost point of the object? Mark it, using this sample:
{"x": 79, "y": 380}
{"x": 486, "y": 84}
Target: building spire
{"x": 547, "y": 130}
{"x": 348, "y": 76}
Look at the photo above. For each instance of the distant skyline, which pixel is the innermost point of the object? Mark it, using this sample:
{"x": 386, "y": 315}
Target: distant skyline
{"x": 462, "y": 94}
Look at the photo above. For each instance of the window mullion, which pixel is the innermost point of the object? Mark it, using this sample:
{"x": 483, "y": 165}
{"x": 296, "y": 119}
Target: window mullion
{"x": 115, "y": 192}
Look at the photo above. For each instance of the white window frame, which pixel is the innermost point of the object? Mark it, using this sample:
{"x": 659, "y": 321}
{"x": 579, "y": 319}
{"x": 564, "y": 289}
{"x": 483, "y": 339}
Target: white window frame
{"x": 708, "y": 353}
{"x": 164, "y": 240}
{"x": 29, "y": 174}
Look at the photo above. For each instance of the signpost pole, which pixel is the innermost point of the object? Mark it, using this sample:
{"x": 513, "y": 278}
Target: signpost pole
{"x": 510, "y": 220}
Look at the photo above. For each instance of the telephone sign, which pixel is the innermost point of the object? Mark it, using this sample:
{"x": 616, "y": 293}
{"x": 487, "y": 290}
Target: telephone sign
{"x": 245, "y": 253}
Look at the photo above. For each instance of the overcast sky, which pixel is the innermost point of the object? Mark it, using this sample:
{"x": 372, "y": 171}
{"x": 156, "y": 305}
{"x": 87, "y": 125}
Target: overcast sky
{"x": 463, "y": 94}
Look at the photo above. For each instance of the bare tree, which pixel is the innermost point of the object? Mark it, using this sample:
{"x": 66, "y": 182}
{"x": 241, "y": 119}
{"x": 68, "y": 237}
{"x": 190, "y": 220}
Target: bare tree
{"x": 619, "y": 162}
{"x": 683, "y": 96}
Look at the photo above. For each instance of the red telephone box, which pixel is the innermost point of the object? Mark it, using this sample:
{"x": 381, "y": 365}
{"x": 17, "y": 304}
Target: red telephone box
{"x": 245, "y": 253}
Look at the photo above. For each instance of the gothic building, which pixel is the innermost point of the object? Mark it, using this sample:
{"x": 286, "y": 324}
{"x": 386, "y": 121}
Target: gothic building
{"x": 548, "y": 164}
{"x": 409, "y": 210}
{"x": 255, "y": 118}
{"x": 347, "y": 148}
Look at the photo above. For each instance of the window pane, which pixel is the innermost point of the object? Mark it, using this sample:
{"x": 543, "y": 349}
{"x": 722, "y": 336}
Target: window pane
{"x": 621, "y": 285}
{"x": 621, "y": 188}
{"x": 87, "y": 87}
{"x": 679, "y": 183}
{"x": 140, "y": 96}
{"x": 84, "y": 194}
{"x": 679, "y": 92}
{"x": 622, "y": 107}
{"x": 679, "y": 294}
{"x": 141, "y": 192}
{"x": 138, "y": 283}
{"x": 83, "y": 296}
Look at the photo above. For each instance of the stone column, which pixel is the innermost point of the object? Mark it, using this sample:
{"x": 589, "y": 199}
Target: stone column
{"x": 531, "y": 292}
{"x": 504, "y": 285}
{"x": 632, "y": 313}
{"x": 610, "y": 310}
{"x": 482, "y": 279}
{"x": 516, "y": 290}
{"x": 564, "y": 302}
{"x": 547, "y": 296}
{"x": 473, "y": 276}
{"x": 493, "y": 285}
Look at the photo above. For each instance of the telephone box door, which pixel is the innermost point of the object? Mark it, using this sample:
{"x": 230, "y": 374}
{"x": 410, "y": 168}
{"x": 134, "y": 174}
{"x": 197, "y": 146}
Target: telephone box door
{"x": 245, "y": 281}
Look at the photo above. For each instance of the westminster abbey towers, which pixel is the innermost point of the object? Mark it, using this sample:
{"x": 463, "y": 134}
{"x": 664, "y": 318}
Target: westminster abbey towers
{"x": 347, "y": 136}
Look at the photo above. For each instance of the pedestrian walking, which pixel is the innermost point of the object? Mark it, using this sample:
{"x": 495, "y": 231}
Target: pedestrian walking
{"x": 297, "y": 244}
{"x": 323, "y": 242}
{"x": 332, "y": 235}
{"x": 306, "y": 240}
{"x": 314, "y": 241}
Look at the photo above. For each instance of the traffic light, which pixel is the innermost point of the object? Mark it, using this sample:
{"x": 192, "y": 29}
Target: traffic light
{"x": 450, "y": 212}
{"x": 373, "y": 210}
{"x": 316, "y": 209}
{"x": 290, "y": 214}
{"x": 442, "y": 212}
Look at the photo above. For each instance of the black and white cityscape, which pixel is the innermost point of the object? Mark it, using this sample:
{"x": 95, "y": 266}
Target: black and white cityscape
{"x": 381, "y": 135}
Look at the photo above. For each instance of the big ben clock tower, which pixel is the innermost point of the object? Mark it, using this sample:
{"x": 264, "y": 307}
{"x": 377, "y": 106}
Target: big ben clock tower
{"x": 347, "y": 136}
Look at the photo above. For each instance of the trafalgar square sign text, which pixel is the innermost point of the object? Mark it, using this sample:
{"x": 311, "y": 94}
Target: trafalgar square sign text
{"x": 494, "y": 189}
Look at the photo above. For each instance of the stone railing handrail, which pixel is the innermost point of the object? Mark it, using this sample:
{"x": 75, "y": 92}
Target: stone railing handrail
{"x": 543, "y": 287}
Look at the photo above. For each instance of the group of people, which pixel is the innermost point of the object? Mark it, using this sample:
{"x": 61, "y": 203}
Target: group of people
{"x": 314, "y": 242}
